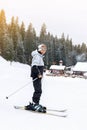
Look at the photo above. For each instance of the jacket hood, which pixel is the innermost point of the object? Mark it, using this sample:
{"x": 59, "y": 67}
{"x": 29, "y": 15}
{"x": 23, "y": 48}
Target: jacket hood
{"x": 34, "y": 53}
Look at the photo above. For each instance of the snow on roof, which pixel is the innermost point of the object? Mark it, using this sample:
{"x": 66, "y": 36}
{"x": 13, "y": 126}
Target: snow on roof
{"x": 85, "y": 74}
{"x": 80, "y": 66}
{"x": 57, "y": 67}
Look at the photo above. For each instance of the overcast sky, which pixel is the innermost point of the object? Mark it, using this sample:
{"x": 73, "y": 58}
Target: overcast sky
{"x": 68, "y": 16}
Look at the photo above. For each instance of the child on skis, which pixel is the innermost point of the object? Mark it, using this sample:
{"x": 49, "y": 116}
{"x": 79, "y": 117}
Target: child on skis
{"x": 37, "y": 74}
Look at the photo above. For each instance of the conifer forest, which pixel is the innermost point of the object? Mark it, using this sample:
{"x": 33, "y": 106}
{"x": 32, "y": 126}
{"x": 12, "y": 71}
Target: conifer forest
{"x": 17, "y": 43}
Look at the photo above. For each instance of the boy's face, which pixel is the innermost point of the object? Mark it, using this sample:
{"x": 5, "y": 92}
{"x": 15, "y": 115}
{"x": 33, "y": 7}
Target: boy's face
{"x": 43, "y": 51}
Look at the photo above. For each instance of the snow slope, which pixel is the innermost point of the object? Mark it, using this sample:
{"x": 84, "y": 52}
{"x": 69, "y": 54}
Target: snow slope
{"x": 58, "y": 92}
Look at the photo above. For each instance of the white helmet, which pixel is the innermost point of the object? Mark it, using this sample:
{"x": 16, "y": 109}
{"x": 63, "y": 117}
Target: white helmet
{"x": 42, "y": 47}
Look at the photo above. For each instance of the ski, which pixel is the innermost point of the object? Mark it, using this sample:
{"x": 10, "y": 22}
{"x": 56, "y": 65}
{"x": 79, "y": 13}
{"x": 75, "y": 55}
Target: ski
{"x": 47, "y": 113}
{"x": 20, "y": 107}
{"x": 56, "y": 110}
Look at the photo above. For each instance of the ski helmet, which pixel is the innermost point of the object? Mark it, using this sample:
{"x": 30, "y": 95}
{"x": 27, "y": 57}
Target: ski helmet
{"x": 42, "y": 47}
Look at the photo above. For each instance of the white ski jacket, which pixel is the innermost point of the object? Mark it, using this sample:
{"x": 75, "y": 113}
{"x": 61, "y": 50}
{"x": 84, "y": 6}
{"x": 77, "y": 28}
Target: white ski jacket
{"x": 37, "y": 59}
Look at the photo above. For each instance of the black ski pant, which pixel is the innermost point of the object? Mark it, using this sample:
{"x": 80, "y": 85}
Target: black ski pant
{"x": 37, "y": 90}
{"x": 35, "y": 71}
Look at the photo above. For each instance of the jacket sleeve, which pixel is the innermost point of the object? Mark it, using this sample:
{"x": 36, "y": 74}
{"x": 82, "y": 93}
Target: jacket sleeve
{"x": 35, "y": 60}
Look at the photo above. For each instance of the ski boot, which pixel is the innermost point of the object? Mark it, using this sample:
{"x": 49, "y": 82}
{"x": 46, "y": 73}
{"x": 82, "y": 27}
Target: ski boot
{"x": 35, "y": 107}
{"x": 43, "y": 107}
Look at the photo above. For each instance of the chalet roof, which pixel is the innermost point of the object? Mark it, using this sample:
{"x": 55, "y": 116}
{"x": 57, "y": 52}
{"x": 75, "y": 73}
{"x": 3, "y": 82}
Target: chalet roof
{"x": 57, "y": 67}
{"x": 80, "y": 66}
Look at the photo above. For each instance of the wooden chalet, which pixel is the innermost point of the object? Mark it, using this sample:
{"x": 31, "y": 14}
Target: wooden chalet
{"x": 58, "y": 69}
{"x": 80, "y": 68}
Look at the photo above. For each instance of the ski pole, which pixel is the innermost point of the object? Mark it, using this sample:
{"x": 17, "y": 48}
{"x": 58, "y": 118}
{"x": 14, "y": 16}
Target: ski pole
{"x": 13, "y": 93}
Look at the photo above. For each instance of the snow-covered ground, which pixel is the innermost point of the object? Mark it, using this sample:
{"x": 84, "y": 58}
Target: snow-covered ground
{"x": 58, "y": 93}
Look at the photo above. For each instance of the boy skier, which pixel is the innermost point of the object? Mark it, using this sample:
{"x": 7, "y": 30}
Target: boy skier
{"x": 37, "y": 74}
